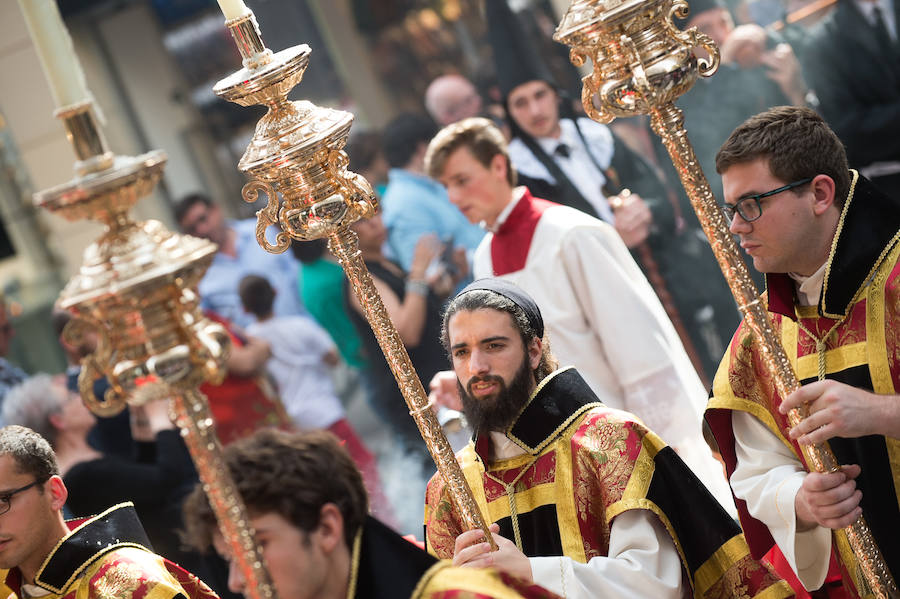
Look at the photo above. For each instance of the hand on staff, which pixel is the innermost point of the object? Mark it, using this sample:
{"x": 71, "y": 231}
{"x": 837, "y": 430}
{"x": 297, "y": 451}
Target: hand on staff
{"x": 633, "y": 218}
{"x": 839, "y": 410}
{"x": 828, "y": 499}
{"x": 474, "y": 552}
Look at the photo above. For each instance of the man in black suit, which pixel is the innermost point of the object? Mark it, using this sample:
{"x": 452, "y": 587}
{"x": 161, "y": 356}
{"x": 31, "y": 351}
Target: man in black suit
{"x": 853, "y": 63}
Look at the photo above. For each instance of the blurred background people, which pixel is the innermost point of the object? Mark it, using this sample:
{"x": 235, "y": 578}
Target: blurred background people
{"x": 414, "y": 205}
{"x": 239, "y": 254}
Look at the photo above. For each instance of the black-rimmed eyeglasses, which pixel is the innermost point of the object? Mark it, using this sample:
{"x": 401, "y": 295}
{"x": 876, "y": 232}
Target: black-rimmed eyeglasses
{"x": 749, "y": 207}
{"x": 6, "y": 498}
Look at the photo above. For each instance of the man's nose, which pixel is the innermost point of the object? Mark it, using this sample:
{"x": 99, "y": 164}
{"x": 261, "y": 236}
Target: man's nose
{"x": 236, "y": 582}
{"x": 738, "y": 225}
{"x": 478, "y": 363}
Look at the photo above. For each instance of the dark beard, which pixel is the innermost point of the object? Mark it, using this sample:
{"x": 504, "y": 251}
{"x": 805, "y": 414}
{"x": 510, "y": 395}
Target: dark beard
{"x": 499, "y": 412}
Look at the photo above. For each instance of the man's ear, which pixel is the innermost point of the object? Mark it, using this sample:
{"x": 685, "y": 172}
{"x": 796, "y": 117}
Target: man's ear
{"x": 330, "y": 532}
{"x": 535, "y": 349}
{"x": 823, "y": 189}
{"x": 499, "y": 165}
{"x": 58, "y": 492}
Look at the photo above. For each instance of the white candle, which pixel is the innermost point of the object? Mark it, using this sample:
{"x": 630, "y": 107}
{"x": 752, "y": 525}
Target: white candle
{"x": 54, "y": 47}
{"x": 232, "y": 9}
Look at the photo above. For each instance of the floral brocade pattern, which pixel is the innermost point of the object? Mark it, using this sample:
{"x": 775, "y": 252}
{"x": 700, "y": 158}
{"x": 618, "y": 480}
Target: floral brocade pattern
{"x": 759, "y": 386}
{"x": 603, "y": 455}
{"x": 117, "y": 579}
{"x": 891, "y": 331}
{"x": 542, "y": 472}
{"x": 133, "y": 573}
{"x": 744, "y": 580}
{"x": 852, "y": 330}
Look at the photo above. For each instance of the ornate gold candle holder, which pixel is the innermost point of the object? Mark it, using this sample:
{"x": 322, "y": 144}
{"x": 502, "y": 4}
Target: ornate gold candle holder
{"x": 296, "y": 159}
{"x": 137, "y": 290}
{"x": 641, "y": 64}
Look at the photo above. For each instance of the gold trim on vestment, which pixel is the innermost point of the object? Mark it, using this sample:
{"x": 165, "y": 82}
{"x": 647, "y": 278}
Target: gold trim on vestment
{"x": 725, "y": 557}
{"x": 838, "y": 359}
{"x": 851, "y": 564}
{"x": 789, "y": 339}
{"x": 879, "y": 364}
{"x": 426, "y": 578}
{"x": 634, "y": 496}
{"x": 779, "y": 590}
{"x": 84, "y": 565}
{"x": 888, "y": 248}
{"x": 566, "y": 512}
{"x": 565, "y": 424}
{"x": 725, "y": 399}
{"x": 354, "y": 563}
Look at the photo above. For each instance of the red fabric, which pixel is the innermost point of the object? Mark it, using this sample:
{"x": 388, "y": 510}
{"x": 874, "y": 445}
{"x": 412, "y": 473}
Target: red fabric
{"x": 368, "y": 467}
{"x": 748, "y": 377}
{"x": 510, "y": 245}
{"x": 833, "y": 587}
{"x": 240, "y": 406}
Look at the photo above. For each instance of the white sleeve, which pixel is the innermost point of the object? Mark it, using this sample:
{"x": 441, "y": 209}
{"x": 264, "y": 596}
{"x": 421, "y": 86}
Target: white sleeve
{"x": 642, "y": 562}
{"x": 767, "y": 476}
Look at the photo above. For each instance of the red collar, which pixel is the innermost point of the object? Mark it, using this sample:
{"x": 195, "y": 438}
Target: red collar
{"x": 511, "y": 242}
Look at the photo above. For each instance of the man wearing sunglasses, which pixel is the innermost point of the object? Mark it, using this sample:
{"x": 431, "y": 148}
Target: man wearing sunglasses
{"x": 827, "y": 241}
{"x": 48, "y": 557}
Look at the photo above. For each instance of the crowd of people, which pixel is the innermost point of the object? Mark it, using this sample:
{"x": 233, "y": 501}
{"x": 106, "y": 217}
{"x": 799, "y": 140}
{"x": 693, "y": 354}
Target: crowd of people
{"x": 559, "y": 302}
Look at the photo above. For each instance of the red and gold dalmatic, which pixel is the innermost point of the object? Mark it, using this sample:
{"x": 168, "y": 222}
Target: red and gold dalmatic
{"x": 107, "y": 556}
{"x": 858, "y": 317}
{"x": 584, "y": 465}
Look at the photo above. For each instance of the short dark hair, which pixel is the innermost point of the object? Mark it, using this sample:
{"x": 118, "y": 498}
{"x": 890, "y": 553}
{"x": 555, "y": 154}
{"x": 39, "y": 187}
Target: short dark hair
{"x": 289, "y": 474}
{"x": 257, "y": 295}
{"x": 30, "y": 451}
{"x": 481, "y": 299}
{"x": 479, "y": 135}
{"x": 184, "y": 205}
{"x": 797, "y": 143}
{"x": 403, "y": 135}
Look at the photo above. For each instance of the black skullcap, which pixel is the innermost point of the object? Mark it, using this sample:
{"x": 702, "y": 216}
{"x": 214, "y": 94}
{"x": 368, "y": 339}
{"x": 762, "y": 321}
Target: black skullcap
{"x": 513, "y": 293}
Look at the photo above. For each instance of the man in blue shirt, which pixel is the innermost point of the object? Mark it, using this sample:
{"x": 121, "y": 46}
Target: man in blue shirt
{"x": 239, "y": 255}
{"x": 413, "y": 204}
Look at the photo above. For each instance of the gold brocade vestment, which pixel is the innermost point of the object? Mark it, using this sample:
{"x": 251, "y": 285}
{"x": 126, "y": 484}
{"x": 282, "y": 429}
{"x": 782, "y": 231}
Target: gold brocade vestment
{"x": 584, "y": 465}
{"x": 857, "y": 322}
{"x": 105, "y": 557}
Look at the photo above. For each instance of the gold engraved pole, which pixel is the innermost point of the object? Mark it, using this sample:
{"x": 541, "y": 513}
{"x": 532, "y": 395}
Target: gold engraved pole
{"x": 641, "y": 64}
{"x": 137, "y": 291}
{"x": 297, "y": 153}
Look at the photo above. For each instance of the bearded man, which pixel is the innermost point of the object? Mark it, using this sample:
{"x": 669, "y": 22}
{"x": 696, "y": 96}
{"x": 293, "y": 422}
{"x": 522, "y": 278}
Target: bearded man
{"x": 587, "y": 502}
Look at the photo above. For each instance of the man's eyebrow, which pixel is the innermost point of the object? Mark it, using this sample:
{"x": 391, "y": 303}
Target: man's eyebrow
{"x": 480, "y": 341}
{"x": 749, "y": 194}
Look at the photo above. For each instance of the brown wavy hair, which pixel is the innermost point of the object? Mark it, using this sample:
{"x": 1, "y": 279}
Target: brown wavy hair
{"x": 289, "y": 474}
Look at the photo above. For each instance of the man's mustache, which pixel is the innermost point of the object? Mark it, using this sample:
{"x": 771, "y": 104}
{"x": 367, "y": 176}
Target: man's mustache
{"x": 489, "y": 378}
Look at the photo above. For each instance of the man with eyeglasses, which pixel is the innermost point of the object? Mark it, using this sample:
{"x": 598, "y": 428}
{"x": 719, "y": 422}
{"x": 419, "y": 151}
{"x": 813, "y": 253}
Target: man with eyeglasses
{"x": 48, "y": 557}
{"x": 827, "y": 241}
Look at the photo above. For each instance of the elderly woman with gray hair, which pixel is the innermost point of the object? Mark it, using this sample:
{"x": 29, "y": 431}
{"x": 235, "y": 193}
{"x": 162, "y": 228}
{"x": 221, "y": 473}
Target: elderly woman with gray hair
{"x": 156, "y": 480}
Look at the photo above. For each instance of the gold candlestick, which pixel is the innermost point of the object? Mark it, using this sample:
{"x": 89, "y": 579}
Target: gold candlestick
{"x": 137, "y": 291}
{"x": 297, "y": 152}
{"x": 641, "y": 64}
